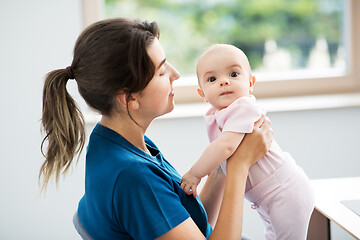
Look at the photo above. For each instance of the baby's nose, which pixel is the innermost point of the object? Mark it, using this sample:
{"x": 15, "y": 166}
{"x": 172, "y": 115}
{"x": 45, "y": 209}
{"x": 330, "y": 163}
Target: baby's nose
{"x": 224, "y": 83}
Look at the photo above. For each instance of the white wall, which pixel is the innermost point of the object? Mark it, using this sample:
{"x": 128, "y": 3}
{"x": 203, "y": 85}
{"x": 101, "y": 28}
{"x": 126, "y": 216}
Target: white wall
{"x": 35, "y": 37}
{"x": 38, "y": 36}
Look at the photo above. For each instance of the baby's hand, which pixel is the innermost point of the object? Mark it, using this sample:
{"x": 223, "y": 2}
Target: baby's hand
{"x": 189, "y": 184}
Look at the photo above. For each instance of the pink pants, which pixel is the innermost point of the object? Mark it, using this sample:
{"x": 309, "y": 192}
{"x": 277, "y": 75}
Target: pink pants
{"x": 286, "y": 210}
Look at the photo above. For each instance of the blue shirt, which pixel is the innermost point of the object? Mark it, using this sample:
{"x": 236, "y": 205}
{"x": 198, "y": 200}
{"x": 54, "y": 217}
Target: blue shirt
{"x": 130, "y": 194}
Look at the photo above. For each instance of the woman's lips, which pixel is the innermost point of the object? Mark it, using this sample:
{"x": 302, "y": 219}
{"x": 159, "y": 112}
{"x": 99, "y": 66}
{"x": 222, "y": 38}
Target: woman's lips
{"x": 171, "y": 93}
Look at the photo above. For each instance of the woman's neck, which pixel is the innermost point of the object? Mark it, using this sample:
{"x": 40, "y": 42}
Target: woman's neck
{"x": 127, "y": 128}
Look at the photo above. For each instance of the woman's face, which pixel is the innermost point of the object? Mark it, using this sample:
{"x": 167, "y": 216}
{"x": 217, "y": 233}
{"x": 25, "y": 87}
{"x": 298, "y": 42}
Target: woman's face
{"x": 158, "y": 96}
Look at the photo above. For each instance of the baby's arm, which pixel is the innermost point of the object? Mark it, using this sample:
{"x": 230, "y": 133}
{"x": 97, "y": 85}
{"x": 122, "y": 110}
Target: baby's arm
{"x": 217, "y": 152}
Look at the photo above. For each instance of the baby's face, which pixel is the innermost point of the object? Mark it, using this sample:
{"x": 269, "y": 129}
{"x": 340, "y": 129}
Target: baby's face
{"x": 224, "y": 75}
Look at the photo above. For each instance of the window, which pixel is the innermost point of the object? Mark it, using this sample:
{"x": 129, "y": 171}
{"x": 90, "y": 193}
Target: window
{"x": 297, "y": 47}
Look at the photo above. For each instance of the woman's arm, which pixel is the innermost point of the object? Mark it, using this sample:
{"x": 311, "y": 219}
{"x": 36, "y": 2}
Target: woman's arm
{"x": 212, "y": 193}
{"x": 229, "y": 222}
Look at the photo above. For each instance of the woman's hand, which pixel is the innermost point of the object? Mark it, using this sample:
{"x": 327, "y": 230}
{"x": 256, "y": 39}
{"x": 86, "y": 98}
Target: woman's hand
{"x": 254, "y": 145}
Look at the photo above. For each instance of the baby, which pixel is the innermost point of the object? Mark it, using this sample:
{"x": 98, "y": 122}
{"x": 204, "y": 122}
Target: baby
{"x": 278, "y": 189}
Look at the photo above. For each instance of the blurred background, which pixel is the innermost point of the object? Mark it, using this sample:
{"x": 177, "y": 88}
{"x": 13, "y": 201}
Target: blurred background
{"x": 305, "y": 37}
{"x": 275, "y": 35}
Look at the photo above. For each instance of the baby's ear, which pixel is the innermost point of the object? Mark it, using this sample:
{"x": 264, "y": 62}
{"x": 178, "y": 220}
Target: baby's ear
{"x": 252, "y": 80}
{"x": 201, "y": 93}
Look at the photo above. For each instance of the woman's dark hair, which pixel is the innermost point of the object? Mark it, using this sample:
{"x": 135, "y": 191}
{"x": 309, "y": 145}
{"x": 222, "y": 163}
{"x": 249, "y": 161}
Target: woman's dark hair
{"x": 109, "y": 56}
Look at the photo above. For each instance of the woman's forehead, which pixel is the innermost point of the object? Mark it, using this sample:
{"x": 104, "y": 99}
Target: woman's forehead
{"x": 156, "y": 52}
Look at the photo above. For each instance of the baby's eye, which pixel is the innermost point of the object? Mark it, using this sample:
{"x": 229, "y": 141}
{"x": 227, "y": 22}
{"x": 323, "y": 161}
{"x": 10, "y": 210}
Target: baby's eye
{"x": 234, "y": 74}
{"x": 211, "y": 79}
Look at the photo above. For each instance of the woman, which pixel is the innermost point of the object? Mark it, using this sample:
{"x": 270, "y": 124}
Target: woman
{"x": 131, "y": 191}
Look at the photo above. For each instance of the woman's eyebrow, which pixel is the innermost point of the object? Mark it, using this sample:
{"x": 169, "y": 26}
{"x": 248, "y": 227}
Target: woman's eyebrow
{"x": 162, "y": 62}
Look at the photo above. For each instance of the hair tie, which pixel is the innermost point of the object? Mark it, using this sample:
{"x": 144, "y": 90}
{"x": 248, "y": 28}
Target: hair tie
{"x": 70, "y": 72}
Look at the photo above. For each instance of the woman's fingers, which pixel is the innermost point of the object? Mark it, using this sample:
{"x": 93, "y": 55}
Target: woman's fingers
{"x": 266, "y": 124}
{"x": 259, "y": 122}
{"x": 261, "y": 137}
{"x": 268, "y": 137}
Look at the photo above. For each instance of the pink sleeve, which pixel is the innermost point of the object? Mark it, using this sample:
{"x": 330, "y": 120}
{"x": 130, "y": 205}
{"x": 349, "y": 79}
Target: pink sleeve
{"x": 211, "y": 125}
{"x": 239, "y": 116}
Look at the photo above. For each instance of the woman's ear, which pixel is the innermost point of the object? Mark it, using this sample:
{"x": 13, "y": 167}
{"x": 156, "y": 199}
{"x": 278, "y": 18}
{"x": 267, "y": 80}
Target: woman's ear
{"x": 133, "y": 104}
{"x": 127, "y": 101}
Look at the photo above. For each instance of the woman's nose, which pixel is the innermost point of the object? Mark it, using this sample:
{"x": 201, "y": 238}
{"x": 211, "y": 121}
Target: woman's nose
{"x": 175, "y": 73}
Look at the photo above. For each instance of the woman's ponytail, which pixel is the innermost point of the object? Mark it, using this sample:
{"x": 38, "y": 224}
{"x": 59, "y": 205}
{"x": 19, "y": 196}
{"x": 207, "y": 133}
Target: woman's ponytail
{"x": 63, "y": 125}
{"x": 109, "y": 56}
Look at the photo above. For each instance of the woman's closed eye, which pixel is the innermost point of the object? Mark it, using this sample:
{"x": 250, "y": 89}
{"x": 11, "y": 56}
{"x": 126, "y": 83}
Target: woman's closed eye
{"x": 234, "y": 74}
{"x": 162, "y": 71}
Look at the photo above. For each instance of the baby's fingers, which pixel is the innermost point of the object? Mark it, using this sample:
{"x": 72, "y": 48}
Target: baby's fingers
{"x": 193, "y": 189}
{"x": 186, "y": 188}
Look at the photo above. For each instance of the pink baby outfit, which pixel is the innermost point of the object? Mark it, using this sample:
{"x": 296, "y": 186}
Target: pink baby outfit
{"x": 278, "y": 188}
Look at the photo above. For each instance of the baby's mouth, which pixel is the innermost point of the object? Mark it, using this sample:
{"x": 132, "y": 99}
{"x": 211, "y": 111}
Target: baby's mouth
{"x": 226, "y": 93}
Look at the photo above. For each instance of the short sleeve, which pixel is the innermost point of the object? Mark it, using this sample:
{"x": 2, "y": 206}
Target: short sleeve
{"x": 240, "y": 116}
{"x": 146, "y": 204}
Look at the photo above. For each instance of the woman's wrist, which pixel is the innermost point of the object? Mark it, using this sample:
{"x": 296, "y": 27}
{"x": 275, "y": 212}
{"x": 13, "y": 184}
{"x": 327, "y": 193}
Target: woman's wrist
{"x": 240, "y": 162}
{"x": 237, "y": 173}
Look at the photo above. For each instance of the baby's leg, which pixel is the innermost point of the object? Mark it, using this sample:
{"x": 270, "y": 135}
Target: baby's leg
{"x": 269, "y": 232}
{"x": 289, "y": 208}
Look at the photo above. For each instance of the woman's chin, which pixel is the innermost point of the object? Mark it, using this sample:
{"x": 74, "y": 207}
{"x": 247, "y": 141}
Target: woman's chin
{"x": 170, "y": 108}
